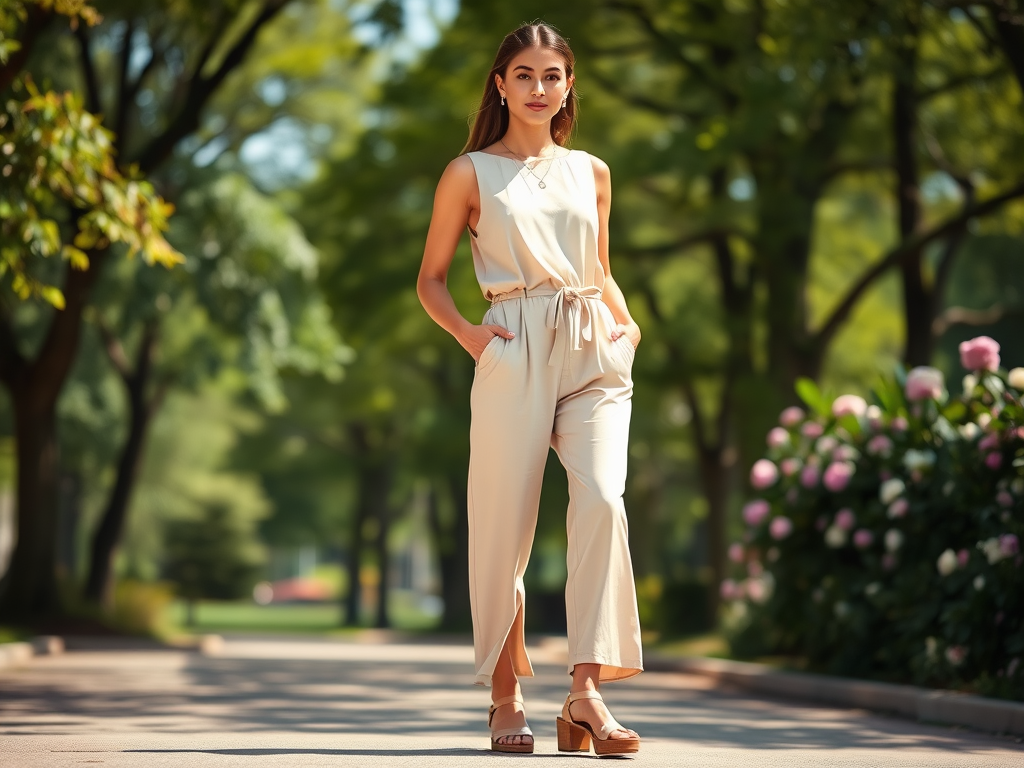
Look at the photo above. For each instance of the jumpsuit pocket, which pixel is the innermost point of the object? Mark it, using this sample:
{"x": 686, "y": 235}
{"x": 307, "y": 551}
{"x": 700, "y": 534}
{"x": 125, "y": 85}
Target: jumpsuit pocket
{"x": 489, "y": 355}
{"x": 630, "y": 349}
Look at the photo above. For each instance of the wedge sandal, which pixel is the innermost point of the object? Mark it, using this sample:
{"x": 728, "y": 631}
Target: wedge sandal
{"x": 577, "y": 735}
{"x": 523, "y": 730}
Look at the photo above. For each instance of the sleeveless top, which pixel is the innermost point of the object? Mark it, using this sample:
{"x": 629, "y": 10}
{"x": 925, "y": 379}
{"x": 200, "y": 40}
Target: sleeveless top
{"x": 531, "y": 237}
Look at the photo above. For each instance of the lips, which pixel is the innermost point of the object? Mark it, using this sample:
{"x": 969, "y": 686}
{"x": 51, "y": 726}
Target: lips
{"x": 537, "y": 106}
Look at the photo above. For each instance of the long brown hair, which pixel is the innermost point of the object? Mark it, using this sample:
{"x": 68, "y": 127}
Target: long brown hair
{"x": 492, "y": 118}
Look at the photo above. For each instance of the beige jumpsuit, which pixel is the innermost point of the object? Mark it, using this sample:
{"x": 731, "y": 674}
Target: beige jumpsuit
{"x": 561, "y": 382}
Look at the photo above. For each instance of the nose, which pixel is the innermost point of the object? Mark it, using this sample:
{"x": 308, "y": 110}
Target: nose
{"x": 538, "y": 89}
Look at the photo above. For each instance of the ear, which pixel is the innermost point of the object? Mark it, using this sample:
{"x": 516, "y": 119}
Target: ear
{"x": 569, "y": 81}
{"x": 499, "y": 83}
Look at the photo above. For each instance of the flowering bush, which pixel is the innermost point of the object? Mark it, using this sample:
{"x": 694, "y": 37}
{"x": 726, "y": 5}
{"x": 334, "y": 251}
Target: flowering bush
{"x": 885, "y": 540}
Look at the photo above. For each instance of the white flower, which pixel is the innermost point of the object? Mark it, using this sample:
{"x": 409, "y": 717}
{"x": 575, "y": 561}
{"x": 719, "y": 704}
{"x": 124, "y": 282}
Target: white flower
{"x": 1016, "y": 378}
{"x": 835, "y": 536}
{"x": 894, "y": 540}
{"x": 984, "y": 419}
{"x": 992, "y": 550}
{"x": 914, "y": 459}
{"x": 979, "y": 583}
{"x": 947, "y": 562}
{"x": 872, "y": 589}
{"x": 1017, "y": 486}
{"x": 948, "y": 487}
{"x": 874, "y": 413}
{"x": 931, "y": 647}
{"x": 826, "y": 444}
{"x": 969, "y": 431}
{"x": 841, "y": 609}
{"x": 970, "y": 382}
{"x": 891, "y": 489}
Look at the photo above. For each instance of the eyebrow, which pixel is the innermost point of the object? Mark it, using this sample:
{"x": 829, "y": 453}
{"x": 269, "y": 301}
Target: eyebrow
{"x": 530, "y": 69}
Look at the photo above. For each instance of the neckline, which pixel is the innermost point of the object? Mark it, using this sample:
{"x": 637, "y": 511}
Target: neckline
{"x": 521, "y": 162}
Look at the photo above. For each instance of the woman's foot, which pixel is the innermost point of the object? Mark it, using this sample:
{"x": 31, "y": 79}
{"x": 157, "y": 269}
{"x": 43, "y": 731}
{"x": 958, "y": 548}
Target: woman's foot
{"x": 594, "y": 712}
{"x": 586, "y": 677}
{"x": 510, "y": 716}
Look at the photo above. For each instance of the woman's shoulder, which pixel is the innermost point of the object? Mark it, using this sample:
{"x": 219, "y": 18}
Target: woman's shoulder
{"x": 602, "y": 173}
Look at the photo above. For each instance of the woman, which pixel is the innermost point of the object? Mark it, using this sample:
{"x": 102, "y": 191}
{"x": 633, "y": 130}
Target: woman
{"x": 553, "y": 357}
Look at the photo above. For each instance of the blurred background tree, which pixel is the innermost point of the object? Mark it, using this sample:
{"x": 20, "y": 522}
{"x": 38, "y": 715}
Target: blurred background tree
{"x": 801, "y": 189}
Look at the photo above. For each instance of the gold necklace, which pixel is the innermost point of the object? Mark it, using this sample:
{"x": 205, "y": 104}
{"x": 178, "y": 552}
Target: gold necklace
{"x": 540, "y": 179}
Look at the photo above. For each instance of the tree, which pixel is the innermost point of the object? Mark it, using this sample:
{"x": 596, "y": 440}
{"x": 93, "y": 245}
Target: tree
{"x": 62, "y": 173}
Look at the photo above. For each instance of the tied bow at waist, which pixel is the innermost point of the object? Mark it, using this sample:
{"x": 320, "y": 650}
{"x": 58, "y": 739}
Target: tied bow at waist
{"x": 570, "y": 303}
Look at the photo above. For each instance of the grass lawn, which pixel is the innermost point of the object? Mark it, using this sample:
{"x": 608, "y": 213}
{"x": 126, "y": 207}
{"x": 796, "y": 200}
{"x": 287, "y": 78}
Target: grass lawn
{"x": 712, "y": 645}
{"x": 302, "y": 618}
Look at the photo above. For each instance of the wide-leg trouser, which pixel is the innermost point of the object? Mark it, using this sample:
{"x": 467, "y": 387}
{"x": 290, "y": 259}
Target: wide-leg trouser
{"x": 580, "y": 405}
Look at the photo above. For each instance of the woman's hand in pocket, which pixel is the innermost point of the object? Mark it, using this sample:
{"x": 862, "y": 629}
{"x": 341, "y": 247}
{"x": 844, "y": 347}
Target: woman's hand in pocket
{"x": 630, "y": 330}
{"x": 476, "y": 337}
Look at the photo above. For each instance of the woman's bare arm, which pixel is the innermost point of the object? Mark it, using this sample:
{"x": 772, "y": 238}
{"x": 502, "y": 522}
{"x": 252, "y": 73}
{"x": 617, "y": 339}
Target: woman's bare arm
{"x": 453, "y": 202}
{"x": 611, "y": 293}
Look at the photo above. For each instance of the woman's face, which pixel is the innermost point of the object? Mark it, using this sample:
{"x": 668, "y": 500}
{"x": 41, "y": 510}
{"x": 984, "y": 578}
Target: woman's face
{"x": 534, "y": 85}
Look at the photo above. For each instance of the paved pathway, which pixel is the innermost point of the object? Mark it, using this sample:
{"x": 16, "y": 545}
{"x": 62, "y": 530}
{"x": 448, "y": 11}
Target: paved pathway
{"x": 292, "y": 702}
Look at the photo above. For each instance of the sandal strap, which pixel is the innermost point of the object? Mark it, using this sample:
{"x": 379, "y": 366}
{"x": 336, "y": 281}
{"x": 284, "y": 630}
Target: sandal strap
{"x": 502, "y": 702}
{"x": 605, "y": 730}
{"x": 577, "y": 695}
{"x": 523, "y": 730}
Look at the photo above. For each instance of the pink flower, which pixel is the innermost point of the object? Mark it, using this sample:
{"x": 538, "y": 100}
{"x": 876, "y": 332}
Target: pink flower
{"x": 845, "y": 519}
{"x": 754, "y": 568}
{"x": 924, "y": 383}
{"x": 1009, "y": 545}
{"x": 756, "y": 590}
{"x": 730, "y": 590}
{"x": 988, "y": 442}
{"x": 791, "y": 416}
{"x": 980, "y": 354}
{"x": 849, "y": 405}
{"x": 1004, "y": 499}
{"x": 763, "y": 474}
{"x": 809, "y": 476}
{"x": 899, "y": 424}
{"x": 780, "y": 527}
{"x": 845, "y": 453}
{"x": 755, "y": 511}
{"x": 898, "y": 508}
{"x": 862, "y": 538}
{"x": 790, "y": 466}
{"x": 837, "y": 475}
{"x": 956, "y": 654}
{"x": 963, "y": 557}
{"x": 994, "y": 460}
{"x": 736, "y": 552}
{"x": 778, "y": 437}
{"x": 812, "y": 429}
{"x": 880, "y": 445}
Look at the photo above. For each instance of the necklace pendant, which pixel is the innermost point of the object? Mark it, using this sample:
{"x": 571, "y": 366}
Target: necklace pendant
{"x": 542, "y": 185}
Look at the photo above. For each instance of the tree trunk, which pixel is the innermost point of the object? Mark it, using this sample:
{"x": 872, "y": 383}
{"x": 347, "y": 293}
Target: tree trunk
{"x": 353, "y": 598}
{"x": 111, "y": 528}
{"x": 918, "y": 310}
{"x": 30, "y": 585}
{"x": 380, "y": 480}
{"x": 69, "y": 513}
{"x": 454, "y": 554}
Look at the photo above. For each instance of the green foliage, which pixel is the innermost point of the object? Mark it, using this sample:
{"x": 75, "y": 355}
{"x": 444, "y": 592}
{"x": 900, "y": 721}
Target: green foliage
{"x": 212, "y": 555}
{"x": 892, "y": 549}
{"x": 59, "y": 171}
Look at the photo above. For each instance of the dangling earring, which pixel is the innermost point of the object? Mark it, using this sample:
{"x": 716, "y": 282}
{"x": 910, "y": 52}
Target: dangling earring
{"x": 503, "y": 99}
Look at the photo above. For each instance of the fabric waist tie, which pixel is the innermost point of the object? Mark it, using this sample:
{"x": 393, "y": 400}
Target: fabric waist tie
{"x": 573, "y": 303}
